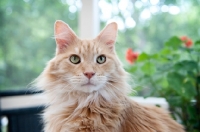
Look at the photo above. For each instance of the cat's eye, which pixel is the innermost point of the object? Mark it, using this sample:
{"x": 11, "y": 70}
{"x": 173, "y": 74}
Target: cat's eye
{"x": 75, "y": 59}
{"x": 101, "y": 59}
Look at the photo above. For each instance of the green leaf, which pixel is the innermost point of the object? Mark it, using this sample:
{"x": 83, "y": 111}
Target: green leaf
{"x": 197, "y": 47}
{"x": 165, "y": 67}
{"x": 132, "y": 69}
{"x": 161, "y": 81}
{"x": 165, "y": 51}
{"x": 197, "y": 42}
{"x": 175, "y": 81}
{"x": 143, "y": 57}
{"x": 173, "y": 42}
{"x": 148, "y": 68}
{"x": 155, "y": 56}
{"x": 188, "y": 90}
{"x": 174, "y": 100}
{"x": 186, "y": 65}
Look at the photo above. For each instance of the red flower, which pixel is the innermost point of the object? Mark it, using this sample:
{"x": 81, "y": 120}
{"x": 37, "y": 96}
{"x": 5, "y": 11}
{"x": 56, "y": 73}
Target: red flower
{"x": 187, "y": 41}
{"x": 184, "y": 38}
{"x": 131, "y": 56}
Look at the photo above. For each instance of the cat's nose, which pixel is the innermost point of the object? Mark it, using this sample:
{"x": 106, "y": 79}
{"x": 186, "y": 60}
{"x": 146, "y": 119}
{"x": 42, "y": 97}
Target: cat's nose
{"x": 89, "y": 74}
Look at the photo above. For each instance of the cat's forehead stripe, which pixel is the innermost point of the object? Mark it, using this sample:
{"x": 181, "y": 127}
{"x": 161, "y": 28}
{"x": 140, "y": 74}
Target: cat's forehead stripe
{"x": 95, "y": 48}
{"x": 82, "y": 49}
{"x": 88, "y": 47}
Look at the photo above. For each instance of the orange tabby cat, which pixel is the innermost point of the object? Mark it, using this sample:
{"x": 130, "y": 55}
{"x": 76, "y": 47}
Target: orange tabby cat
{"x": 86, "y": 88}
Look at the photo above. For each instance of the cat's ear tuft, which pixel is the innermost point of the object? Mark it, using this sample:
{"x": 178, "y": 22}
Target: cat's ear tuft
{"x": 64, "y": 35}
{"x": 108, "y": 34}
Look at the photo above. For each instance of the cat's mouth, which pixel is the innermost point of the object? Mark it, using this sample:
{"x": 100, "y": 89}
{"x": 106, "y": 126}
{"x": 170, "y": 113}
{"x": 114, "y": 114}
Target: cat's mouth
{"x": 88, "y": 84}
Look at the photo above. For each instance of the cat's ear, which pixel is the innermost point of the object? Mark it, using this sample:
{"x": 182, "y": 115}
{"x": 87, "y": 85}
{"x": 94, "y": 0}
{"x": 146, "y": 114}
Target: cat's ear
{"x": 108, "y": 35}
{"x": 64, "y": 35}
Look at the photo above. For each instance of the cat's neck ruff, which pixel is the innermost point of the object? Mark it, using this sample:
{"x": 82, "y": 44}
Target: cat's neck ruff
{"x": 56, "y": 97}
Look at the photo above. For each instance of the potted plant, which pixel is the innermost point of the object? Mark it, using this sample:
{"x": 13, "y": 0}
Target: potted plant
{"x": 173, "y": 72}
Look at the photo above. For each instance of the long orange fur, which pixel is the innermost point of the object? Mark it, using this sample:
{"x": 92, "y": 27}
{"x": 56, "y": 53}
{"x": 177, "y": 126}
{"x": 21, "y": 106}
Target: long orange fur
{"x": 103, "y": 106}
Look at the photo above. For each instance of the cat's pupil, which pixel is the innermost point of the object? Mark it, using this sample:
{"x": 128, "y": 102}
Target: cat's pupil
{"x": 75, "y": 59}
{"x": 101, "y": 59}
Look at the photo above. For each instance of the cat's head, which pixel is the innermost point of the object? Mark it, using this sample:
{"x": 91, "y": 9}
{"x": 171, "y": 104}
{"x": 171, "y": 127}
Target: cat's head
{"x": 84, "y": 65}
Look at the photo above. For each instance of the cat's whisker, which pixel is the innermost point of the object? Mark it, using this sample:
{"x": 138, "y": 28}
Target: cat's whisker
{"x": 117, "y": 78}
{"x": 113, "y": 86}
{"x": 130, "y": 77}
{"x": 119, "y": 89}
{"x": 114, "y": 81}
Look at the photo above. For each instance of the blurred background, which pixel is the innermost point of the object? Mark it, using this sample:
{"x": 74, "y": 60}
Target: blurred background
{"x": 26, "y": 30}
{"x": 165, "y": 68}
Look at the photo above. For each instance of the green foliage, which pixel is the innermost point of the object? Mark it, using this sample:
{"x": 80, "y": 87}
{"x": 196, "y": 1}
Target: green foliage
{"x": 173, "y": 72}
{"x": 27, "y": 38}
{"x": 148, "y": 34}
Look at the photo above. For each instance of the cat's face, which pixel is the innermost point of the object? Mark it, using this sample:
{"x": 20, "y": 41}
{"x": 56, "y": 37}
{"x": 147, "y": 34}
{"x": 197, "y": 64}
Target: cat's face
{"x": 85, "y": 65}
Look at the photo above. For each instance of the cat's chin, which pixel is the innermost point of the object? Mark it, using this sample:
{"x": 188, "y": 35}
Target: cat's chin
{"x": 89, "y": 88}
{"x": 88, "y": 85}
